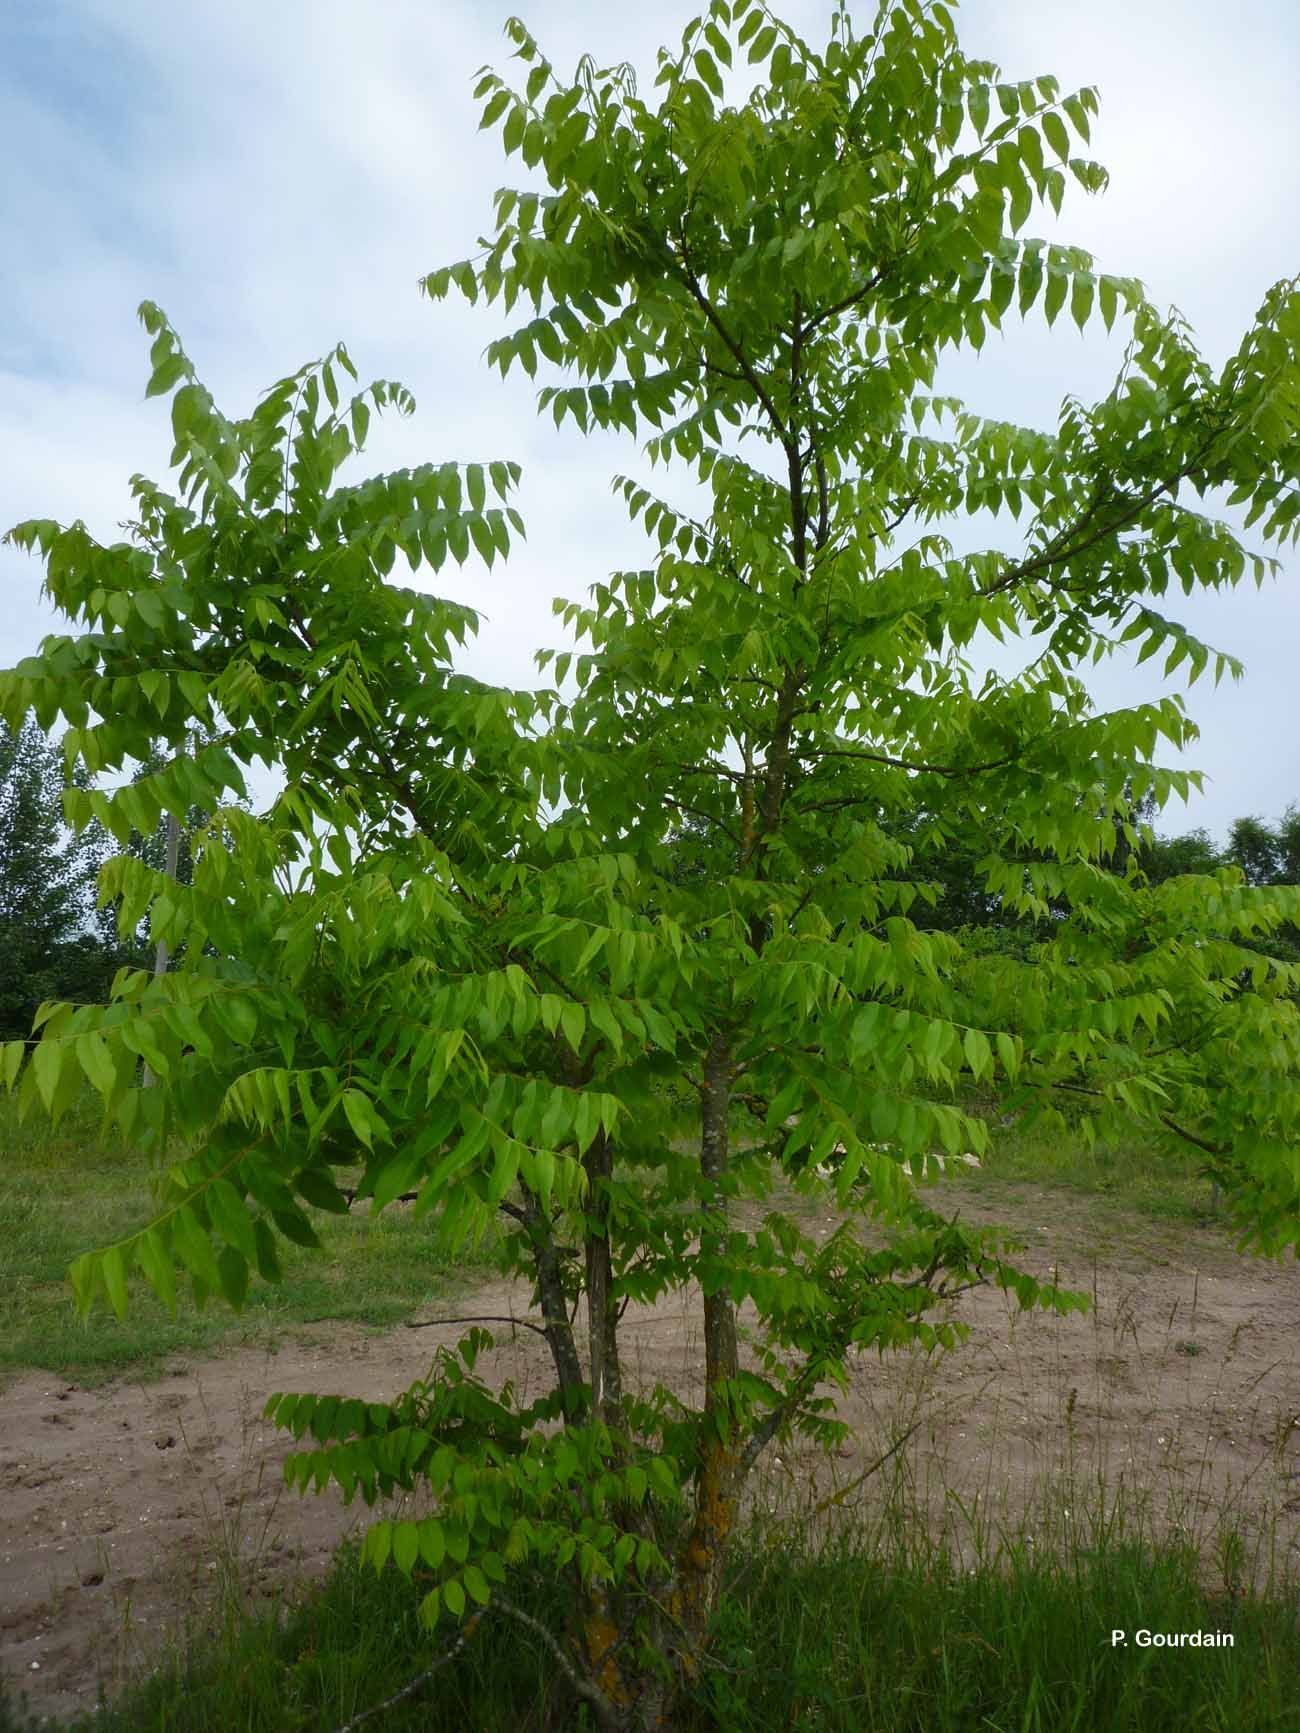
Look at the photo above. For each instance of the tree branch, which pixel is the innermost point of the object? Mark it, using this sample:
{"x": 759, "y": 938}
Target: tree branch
{"x": 589, "y": 1692}
{"x": 1057, "y": 553}
{"x": 550, "y": 1293}
{"x": 733, "y": 347}
{"x": 477, "y": 1318}
{"x": 1166, "y": 1120}
{"x": 1191, "y": 1137}
{"x": 705, "y": 817}
{"x": 849, "y": 300}
{"x": 910, "y": 764}
{"x": 453, "y": 1649}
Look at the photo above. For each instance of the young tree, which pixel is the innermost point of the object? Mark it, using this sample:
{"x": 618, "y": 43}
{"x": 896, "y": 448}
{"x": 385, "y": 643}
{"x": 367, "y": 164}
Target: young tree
{"x": 619, "y": 970}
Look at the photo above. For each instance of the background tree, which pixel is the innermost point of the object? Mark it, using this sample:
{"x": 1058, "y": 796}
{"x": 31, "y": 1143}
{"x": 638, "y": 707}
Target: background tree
{"x": 1267, "y": 854}
{"x": 48, "y": 946}
{"x": 469, "y": 951}
{"x": 168, "y": 848}
{"x": 1165, "y": 857}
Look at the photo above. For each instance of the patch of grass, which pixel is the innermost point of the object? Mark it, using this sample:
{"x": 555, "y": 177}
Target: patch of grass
{"x": 840, "y": 1636}
{"x": 1123, "y": 1180}
{"x": 65, "y": 1190}
{"x": 1023, "y": 1644}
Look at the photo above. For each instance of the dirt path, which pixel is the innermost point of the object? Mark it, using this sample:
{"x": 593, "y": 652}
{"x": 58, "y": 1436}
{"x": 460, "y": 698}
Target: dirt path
{"x": 118, "y": 1506}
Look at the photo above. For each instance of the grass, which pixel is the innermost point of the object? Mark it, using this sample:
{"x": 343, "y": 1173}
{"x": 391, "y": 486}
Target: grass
{"x": 1153, "y": 1185}
{"x": 64, "y": 1190}
{"x": 1125, "y": 1186}
{"x": 849, "y": 1633}
{"x": 889, "y": 1623}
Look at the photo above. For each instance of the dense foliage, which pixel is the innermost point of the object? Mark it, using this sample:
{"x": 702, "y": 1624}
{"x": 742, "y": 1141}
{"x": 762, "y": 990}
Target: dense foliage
{"x": 464, "y": 951}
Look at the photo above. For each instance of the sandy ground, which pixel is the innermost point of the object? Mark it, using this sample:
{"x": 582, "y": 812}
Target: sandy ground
{"x": 122, "y": 1507}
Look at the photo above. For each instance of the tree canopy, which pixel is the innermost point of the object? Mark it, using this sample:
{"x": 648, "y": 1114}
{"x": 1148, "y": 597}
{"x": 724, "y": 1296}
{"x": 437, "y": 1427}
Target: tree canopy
{"x": 464, "y": 953}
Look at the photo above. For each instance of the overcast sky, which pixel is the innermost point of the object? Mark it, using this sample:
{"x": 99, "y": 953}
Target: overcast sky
{"x": 279, "y": 175}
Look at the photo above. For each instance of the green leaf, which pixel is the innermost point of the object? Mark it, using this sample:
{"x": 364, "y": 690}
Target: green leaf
{"x": 573, "y": 1021}
{"x": 48, "y": 1060}
{"x": 360, "y": 1116}
{"x": 320, "y": 1191}
{"x": 707, "y": 69}
{"x": 406, "y": 1546}
{"x": 1073, "y": 107}
{"x": 113, "y": 1270}
{"x": 1108, "y": 298}
{"x": 762, "y": 45}
{"x": 97, "y": 1063}
{"x": 1030, "y": 280}
{"x": 433, "y": 1545}
{"x": 12, "y": 1054}
{"x": 233, "y": 1272}
{"x": 1081, "y": 298}
{"x": 1056, "y": 135}
{"x": 230, "y": 1217}
{"x": 194, "y": 1247}
{"x": 494, "y": 108}
{"x": 979, "y": 1055}
{"x": 166, "y": 375}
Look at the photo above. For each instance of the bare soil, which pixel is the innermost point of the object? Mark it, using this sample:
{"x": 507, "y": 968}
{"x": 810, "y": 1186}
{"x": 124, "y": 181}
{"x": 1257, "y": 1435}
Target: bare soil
{"x": 125, "y": 1511}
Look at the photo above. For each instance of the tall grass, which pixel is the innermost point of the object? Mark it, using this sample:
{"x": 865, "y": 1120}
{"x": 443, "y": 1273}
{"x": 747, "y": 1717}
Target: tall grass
{"x": 834, "y": 1627}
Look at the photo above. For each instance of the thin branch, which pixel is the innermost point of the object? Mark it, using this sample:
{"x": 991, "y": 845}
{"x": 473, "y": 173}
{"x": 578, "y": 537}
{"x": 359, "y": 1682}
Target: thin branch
{"x": 1057, "y": 552}
{"x": 823, "y": 503}
{"x": 907, "y": 763}
{"x": 706, "y": 817}
{"x": 709, "y": 768}
{"x": 733, "y": 347}
{"x": 843, "y": 1492}
{"x": 724, "y": 372}
{"x": 478, "y": 1318}
{"x": 1166, "y": 1119}
{"x": 414, "y": 1686}
{"x": 849, "y": 300}
{"x": 1192, "y": 1138}
{"x": 585, "y": 1688}
{"x": 794, "y": 458}
{"x": 832, "y": 805}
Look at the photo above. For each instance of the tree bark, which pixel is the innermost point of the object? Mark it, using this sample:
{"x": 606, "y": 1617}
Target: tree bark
{"x": 717, "y": 1486}
{"x": 602, "y": 1306}
{"x": 550, "y": 1297}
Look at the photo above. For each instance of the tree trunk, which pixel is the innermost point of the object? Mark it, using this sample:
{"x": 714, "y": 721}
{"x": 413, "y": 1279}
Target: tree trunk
{"x": 550, "y": 1295}
{"x": 602, "y": 1306}
{"x": 717, "y": 1485}
{"x": 643, "y": 1701}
